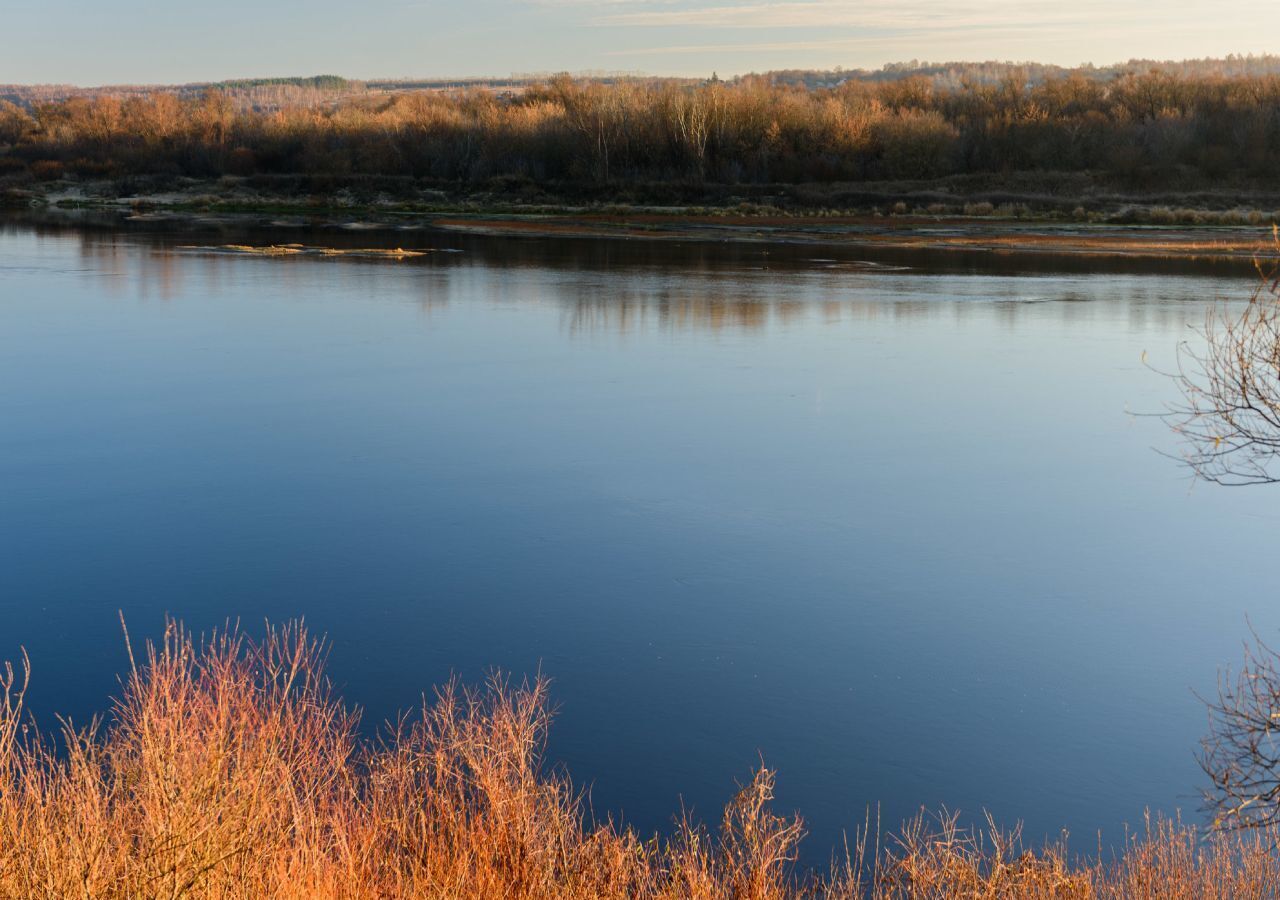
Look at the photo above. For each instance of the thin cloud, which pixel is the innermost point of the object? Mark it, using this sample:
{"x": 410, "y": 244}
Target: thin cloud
{"x": 806, "y": 31}
{"x": 893, "y": 14}
{"x": 846, "y": 43}
{"x": 909, "y": 40}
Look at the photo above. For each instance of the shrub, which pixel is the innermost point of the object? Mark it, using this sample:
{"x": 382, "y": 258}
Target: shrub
{"x": 242, "y": 161}
{"x": 47, "y": 169}
{"x": 229, "y": 770}
{"x": 92, "y": 168}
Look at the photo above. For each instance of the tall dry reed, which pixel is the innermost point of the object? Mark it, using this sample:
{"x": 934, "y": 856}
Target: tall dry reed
{"x": 227, "y": 769}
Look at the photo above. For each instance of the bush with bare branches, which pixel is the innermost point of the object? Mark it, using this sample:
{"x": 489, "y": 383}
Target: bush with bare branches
{"x": 227, "y": 769}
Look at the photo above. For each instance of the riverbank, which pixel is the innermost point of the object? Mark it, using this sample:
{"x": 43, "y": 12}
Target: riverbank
{"x": 897, "y": 232}
{"x": 1148, "y": 232}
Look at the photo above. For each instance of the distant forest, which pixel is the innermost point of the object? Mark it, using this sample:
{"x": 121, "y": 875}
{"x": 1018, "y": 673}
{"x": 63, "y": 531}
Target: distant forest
{"x": 1143, "y": 124}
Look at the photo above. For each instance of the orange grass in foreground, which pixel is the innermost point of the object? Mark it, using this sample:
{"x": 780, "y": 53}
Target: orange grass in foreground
{"x": 227, "y": 769}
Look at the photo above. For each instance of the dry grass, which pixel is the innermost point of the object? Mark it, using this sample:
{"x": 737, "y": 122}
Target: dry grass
{"x": 228, "y": 770}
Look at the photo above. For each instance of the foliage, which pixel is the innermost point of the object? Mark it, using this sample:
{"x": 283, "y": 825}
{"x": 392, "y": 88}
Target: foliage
{"x": 1150, "y": 129}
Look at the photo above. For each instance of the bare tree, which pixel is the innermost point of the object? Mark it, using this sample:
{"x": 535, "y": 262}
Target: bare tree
{"x": 1241, "y": 755}
{"x": 1229, "y": 416}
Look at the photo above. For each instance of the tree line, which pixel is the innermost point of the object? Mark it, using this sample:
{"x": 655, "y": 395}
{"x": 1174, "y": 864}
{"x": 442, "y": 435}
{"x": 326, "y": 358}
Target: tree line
{"x": 1151, "y": 129}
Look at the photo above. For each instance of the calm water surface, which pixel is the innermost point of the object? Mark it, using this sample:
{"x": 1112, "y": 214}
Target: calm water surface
{"x": 894, "y": 530}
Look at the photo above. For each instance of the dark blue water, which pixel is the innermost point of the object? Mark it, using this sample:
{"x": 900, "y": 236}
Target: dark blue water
{"x": 894, "y": 531}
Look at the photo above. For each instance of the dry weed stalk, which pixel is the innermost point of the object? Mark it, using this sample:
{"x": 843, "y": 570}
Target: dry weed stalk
{"x": 227, "y": 769}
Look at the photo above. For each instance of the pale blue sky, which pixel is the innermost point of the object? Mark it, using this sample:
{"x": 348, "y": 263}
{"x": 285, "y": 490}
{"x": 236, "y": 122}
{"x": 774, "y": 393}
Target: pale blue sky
{"x": 151, "y": 41}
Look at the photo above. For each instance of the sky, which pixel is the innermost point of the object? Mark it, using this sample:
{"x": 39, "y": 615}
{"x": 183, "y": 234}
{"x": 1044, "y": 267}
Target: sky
{"x": 92, "y": 42}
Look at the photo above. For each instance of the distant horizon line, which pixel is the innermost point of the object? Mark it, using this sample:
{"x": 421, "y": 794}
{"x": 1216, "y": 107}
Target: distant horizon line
{"x": 639, "y": 74}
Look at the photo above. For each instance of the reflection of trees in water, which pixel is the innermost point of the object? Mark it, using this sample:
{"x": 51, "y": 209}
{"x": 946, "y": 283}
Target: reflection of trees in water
{"x": 622, "y": 306}
{"x": 622, "y": 286}
{"x": 628, "y": 309}
{"x": 121, "y": 267}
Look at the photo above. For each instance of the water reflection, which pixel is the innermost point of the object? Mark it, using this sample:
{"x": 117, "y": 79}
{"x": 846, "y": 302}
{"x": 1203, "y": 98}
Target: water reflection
{"x": 891, "y": 529}
{"x": 622, "y": 286}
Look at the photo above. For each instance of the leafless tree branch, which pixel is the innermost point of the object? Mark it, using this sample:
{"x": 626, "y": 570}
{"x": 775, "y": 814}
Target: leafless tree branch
{"x": 1229, "y": 413}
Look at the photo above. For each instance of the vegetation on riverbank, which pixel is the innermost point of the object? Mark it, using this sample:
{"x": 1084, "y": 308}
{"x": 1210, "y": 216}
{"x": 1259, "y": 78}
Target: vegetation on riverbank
{"x": 228, "y": 769}
{"x": 1176, "y": 143}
